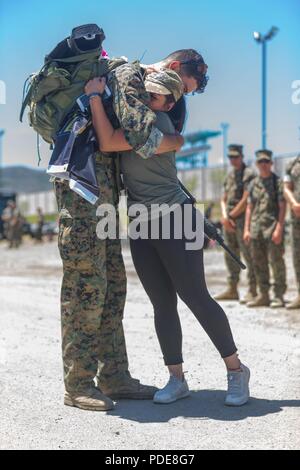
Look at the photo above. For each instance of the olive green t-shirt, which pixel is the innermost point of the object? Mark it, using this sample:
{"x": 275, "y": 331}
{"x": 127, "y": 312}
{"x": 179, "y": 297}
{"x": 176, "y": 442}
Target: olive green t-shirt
{"x": 153, "y": 180}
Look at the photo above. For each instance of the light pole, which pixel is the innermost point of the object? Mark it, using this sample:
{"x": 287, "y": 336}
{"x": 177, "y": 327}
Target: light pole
{"x": 225, "y": 127}
{"x": 262, "y": 39}
{"x": 1, "y": 135}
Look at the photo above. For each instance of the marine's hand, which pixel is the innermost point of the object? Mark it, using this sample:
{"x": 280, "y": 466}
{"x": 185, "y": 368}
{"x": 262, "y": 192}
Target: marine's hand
{"x": 97, "y": 85}
{"x": 228, "y": 224}
{"x": 247, "y": 237}
{"x": 277, "y": 236}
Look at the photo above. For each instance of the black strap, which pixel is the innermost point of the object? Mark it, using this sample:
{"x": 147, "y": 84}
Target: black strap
{"x": 186, "y": 191}
{"x": 275, "y": 179}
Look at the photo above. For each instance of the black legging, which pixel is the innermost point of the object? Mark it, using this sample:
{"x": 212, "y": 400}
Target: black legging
{"x": 166, "y": 269}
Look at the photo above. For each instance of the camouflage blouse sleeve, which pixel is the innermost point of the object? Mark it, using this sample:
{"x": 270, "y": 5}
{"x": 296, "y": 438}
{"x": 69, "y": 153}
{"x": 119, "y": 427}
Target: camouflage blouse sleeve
{"x": 135, "y": 117}
{"x": 249, "y": 189}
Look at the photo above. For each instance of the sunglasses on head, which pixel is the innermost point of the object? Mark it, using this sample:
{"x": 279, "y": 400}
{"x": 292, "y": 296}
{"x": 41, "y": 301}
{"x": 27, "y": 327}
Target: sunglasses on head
{"x": 199, "y": 73}
{"x": 263, "y": 161}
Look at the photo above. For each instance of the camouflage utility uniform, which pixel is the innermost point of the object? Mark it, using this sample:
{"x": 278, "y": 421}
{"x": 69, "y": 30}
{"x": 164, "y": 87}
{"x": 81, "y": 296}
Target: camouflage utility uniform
{"x": 293, "y": 176}
{"x": 265, "y": 194}
{"x": 13, "y": 223}
{"x": 235, "y": 184}
{"x": 94, "y": 280}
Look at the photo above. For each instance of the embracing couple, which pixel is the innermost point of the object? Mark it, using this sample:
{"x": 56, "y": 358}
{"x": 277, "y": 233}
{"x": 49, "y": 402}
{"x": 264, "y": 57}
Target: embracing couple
{"x": 138, "y": 127}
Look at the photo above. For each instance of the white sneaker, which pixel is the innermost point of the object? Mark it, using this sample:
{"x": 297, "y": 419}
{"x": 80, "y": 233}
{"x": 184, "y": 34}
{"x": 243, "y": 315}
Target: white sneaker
{"x": 238, "y": 387}
{"x": 173, "y": 391}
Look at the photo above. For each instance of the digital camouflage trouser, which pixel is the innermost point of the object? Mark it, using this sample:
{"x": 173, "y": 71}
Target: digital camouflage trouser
{"x": 265, "y": 253}
{"x": 236, "y": 243}
{"x": 93, "y": 288}
{"x": 296, "y": 249}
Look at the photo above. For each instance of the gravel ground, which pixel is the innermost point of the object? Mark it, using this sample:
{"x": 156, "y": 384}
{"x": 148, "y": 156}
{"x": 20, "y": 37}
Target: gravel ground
{"x": 34, "y": 417}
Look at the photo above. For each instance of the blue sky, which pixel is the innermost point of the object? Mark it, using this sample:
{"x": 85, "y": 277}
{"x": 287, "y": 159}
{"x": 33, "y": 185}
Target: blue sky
{"x": 220, "y": 29}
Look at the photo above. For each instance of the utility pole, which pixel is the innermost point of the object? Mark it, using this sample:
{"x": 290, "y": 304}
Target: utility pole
{"x": 263, "y": 39}
{"x": 2, "y": 132}
{"x": 225, "y": 126}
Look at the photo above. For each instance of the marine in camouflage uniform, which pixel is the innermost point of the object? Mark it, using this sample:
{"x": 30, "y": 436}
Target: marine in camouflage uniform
{"x": 235, "y": 184}
{"x": 292, "y": 194}
{"x": 94, "y": 280}
{"x": 267, "y": 206}
{"x": 13, "y": 224}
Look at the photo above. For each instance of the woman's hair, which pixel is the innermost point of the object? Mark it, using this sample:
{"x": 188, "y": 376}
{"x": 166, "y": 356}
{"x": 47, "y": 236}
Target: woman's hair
{"x": 178, "y": 114}
{"x": 170, "y": 99}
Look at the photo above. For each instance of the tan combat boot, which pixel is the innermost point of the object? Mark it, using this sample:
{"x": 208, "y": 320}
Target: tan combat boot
{"x": 126, "y": 387}
{"x": 231, "y": 293}
{"x": 249, "y": 297}
{"x": 277, "y": 302}
{"x": 295, "y": 304}
{"x": 92, "y": 400}
{"x": 262, "y": 300}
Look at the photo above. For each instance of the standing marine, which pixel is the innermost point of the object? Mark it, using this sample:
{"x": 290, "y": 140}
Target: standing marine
{"x": 292, "y": 196}
{"x": 264, "y": 231}
{"x": 233, "y": 206}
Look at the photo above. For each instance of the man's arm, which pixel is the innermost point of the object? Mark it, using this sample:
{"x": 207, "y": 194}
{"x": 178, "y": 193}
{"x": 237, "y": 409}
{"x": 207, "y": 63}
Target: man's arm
{"x": 228, "y": 224}
{"x": 240, "y": 207}
{"x": 288, "y": 193}
{"x": 113, "y": 140}
{"x": 249, "y": 208}
{"x": 290, "y": 198}
{"x": 138, "y": 121}
{"x": 278, "y": 231}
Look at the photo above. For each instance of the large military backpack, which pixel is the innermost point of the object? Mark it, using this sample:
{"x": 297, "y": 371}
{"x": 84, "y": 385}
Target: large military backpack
{"x": 52, "y": 92}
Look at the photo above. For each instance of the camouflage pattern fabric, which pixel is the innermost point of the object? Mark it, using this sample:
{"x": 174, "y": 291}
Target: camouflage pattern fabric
{"x": 265, "y": 195}
{"x": 130, "y": 104}
{"x": 93, "y": 288}
{"x": 265, "y": 253}
{"x": 13, "y": 227}
{"x": 293, "y": 174}
{"x": 235, "y": 184}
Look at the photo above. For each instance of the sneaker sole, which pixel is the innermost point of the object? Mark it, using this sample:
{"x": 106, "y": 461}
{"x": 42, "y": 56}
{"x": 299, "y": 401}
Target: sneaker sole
{"x": 186, "y": 395}
{"x": 69, "y": 402}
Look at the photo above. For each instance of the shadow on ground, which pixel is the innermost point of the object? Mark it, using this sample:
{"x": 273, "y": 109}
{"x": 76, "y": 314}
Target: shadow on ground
{"x": 204, "y": 404}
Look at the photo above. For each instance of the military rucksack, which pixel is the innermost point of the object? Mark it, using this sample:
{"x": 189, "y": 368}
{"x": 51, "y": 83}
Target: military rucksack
{"x": 52, "y": 92}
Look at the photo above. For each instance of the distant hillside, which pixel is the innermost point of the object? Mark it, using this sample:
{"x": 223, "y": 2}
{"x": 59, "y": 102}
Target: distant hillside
{"x": 21, "y": 179}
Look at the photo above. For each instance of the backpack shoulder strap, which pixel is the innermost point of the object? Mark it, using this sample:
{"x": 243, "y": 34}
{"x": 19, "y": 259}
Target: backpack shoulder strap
{"x": 275, "y": 185}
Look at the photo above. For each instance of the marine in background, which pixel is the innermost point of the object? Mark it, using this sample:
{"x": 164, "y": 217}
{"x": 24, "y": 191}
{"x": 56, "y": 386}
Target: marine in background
{"x": 292, "y": 196}
{"x": 264, "y": 231}
{"x": 233, "y": 206}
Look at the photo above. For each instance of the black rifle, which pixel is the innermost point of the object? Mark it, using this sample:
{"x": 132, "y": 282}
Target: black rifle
{"x": 212, "y": 232}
